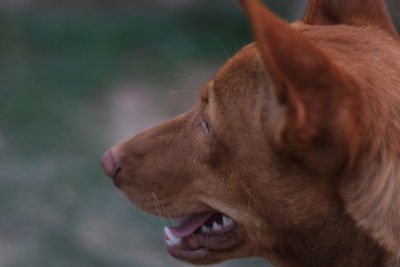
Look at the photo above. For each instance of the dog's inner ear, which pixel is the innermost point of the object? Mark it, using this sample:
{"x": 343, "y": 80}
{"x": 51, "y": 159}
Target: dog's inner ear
{"x": 350, "y": 12}
{"x": 316, "y": 97}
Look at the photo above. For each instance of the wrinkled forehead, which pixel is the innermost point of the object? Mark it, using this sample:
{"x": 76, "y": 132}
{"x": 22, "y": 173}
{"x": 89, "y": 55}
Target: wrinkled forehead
{"x": 235, "y": 77}
{"x": 234, "y": 99}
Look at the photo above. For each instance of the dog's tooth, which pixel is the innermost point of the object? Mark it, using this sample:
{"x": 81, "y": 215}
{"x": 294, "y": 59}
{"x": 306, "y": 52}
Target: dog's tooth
{"x": 205, "y": 229}
{"x": 171, "y": 237}
{"x": 169, "y": 243}
{"x": 227, "y": 221}
{"x": 216, "y": 226}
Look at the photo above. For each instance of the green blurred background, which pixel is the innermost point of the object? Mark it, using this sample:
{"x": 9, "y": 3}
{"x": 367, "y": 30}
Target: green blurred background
{"x": 77, "y": 76}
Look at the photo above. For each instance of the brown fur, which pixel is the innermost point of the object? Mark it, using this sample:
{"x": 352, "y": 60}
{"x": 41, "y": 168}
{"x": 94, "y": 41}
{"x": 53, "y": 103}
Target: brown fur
{"x": 303, "y": 146}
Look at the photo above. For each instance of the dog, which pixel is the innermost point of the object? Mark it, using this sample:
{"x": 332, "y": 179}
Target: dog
{"x": 292, "y": 151}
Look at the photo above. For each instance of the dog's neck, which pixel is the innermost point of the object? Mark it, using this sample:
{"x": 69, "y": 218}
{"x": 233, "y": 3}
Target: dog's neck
{"x": 333, "y": 244}
{"x": 394, "y": 262}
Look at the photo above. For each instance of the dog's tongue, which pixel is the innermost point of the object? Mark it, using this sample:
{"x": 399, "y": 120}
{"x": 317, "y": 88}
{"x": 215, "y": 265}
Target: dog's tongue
{"x": 188, "y": 225}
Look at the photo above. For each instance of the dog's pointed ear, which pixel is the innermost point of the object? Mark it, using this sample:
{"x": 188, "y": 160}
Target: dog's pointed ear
{"x": 315, "y": 96}
{"x": 350, "y": 12}
{"x": 373, "y": 199}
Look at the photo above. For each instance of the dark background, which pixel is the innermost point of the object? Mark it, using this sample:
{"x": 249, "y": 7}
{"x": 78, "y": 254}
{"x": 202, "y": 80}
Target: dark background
{"x": 77, "y": 76}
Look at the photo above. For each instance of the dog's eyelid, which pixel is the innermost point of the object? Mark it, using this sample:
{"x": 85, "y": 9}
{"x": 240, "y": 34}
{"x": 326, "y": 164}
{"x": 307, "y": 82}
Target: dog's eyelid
{"x": 208, "y": 92}
{"x": 205, "y": 100}
{"x": 206, "y": 126}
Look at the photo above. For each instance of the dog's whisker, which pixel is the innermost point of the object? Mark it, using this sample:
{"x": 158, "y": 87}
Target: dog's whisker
{"x": 169, "y": 217}
{"x": 223, "y": 47}
{"x": 159, "y": 213}
{"x": 182, "y": 91}
{"x": 160, "y": 206}
{"x": 156, "y": 206}
{"x": 178, "y": 74}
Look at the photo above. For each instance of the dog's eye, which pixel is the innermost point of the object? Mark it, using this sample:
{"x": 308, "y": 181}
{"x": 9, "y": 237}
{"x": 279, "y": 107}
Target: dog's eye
{"x": 206, "y": 126}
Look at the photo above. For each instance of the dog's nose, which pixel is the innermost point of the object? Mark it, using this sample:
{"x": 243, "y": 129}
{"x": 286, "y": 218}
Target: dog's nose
{"x": 108, "y": 163}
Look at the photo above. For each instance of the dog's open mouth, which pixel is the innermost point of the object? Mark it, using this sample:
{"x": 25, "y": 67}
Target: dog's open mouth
{"x": 198, "y": 235}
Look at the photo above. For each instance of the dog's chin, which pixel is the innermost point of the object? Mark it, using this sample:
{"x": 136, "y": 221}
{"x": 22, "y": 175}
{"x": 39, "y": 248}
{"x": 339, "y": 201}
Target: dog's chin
{"x": 201, "y": 236}
{"x": 204, "y": 238}
{"x": 207, "y": 257}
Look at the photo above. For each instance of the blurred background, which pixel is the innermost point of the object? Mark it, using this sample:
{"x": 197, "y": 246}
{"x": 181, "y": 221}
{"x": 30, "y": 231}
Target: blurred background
{"x": 77, "y": 76}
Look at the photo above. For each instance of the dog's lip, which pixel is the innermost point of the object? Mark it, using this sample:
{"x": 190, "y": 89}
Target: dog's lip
{"x": 188, "y": 255}
{"x": 188, "y": 224}
{"x": 196, "y": 248}
{"x": 210, "y": 223}
{"x": 204, "y": 234}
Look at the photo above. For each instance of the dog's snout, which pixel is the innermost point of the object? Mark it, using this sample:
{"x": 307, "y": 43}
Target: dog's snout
{"x": 109, "y": 164}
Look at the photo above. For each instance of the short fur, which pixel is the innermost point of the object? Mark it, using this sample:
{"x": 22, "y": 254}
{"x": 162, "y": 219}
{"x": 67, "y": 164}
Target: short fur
{"x": 302, "y": 148}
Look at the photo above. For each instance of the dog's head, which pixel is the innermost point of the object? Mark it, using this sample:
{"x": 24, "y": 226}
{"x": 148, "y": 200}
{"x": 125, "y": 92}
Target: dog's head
{"x": 287, "y": 153}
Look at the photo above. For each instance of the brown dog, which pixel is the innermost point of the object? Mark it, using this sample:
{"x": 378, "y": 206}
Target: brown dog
{"x": 292, "y": 151}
